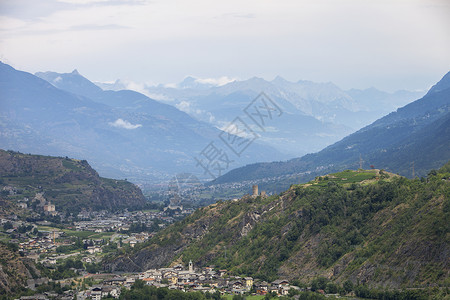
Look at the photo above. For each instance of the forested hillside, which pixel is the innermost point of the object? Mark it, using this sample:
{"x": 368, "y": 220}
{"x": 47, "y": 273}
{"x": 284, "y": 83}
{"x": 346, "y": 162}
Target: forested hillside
{"x": 70, "y": 184}
{"x": 364, "y": 226}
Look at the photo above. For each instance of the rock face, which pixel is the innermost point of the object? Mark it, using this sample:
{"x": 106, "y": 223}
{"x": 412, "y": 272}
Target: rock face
{"x": 71, "y": 185}
{"x": 14, "y": 270}
{"x": 365, "y": 226}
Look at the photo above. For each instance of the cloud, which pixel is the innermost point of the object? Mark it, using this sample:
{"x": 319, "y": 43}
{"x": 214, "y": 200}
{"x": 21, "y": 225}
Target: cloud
{"x": 105, "y": 2}
{"x": 216, "y": 81}
{"x": 184, "y": 106}
{"x": 170, "y": 85}
{"x": 98, "y": 27}
{"x": 83, "y": 1}
{"x": 119, "y": 123}
{"x": 135, "y": 86}
{"x": 322, "y": 40}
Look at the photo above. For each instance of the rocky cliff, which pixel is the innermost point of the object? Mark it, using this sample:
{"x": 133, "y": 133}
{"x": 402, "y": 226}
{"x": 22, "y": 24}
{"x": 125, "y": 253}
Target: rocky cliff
{"x": 14, "y": 270}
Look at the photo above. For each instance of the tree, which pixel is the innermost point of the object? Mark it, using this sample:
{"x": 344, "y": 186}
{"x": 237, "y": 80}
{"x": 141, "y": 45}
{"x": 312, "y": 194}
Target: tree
{"x": 8, "y": 225}
{"x": 319, "y": 283}
{"x": 138, "y": 284}
{"x": 348, "y": 286}
{"x": 432, "y": 173}
{"x": 331, "y": 288}
{"x": 293, "y": 292}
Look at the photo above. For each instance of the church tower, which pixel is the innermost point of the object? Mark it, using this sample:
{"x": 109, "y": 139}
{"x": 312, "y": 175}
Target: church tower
{"x": 191, "y": 266}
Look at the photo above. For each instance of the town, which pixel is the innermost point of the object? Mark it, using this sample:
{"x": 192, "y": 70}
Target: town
{"x": 68, "y": 251}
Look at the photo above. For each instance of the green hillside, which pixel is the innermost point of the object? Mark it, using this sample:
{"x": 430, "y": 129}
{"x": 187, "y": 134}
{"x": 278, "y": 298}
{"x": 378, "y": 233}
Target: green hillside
{"x": 70, "y": 184}
{"x": 364, "y": 226}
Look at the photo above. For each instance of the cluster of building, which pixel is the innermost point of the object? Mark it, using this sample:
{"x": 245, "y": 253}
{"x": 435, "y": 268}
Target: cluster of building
{"x": 103, "y": 221}
{"x": 37, "y": 245}
{"x": 188, "y": 280}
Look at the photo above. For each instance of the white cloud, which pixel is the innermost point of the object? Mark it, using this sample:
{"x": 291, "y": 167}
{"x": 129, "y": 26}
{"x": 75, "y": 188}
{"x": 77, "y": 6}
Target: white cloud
{"x": 120, "y": 123}
{"x": 159, "y": 97}
{"x": 9, "y": 23}
{"x": 83, "y": 1}
{"x": 216, "y": 81}
{"x": 170, "y": 85}
{"x": 184, "y": 106}
{"x": 134, "y": 86}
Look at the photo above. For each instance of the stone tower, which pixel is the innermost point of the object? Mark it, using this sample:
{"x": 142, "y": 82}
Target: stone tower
{"x": 255, "y": 191}
{"x": 191, "y": 266}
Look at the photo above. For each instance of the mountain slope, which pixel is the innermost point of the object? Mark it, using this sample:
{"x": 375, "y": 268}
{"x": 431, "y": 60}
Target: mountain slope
{"x": 383, "y": 144}
{"x": 124, "y": 99}
{"x": 369, "y": 227}
{"x": 71, "y": 185}
{"x": 14, "y": 269}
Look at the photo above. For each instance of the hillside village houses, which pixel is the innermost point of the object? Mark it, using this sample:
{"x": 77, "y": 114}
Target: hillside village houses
{"x": 191, "y": 279}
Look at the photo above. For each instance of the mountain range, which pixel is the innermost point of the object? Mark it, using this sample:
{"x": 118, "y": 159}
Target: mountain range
{"x": 410, "y": 141}
{"x": 123, "y": 134}
{"x": 315, "y": 115}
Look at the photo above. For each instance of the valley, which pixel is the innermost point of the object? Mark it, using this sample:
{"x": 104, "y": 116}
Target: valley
{"x": 342, "y": 222}
{"x": 224, "y": 150}
{"x": 348, "y": 233}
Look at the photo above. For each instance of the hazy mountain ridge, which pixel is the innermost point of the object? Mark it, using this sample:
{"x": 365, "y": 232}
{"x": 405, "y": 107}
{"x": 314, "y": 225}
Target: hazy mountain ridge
{"x": 408, "y": 128}
{"x": 123, "y": 134}
{"x": 370, "y": 227}
{"x": 315, "y": 114}
{"x": 218, "y": 109}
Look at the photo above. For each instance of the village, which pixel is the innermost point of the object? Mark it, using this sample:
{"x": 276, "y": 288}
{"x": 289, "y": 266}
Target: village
{"x": 191, "y": 279}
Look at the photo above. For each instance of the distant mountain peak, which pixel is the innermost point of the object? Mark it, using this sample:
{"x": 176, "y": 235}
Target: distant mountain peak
{"x": 189, "y": 78}
{"x": 72, "y": 82}
{"x": 188, "y": 81}
{"x": 279, "y": 79}
{"x": 191, "y": 82}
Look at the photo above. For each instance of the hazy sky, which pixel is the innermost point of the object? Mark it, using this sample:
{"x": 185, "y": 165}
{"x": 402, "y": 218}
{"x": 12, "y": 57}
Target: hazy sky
{"x": 391, "y": 44}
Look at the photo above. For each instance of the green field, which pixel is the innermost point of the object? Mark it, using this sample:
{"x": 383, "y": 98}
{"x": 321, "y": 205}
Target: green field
{"x": 345, "y": 177}
{"x": 80, "y": 234}
{"x": 4, "y": 237}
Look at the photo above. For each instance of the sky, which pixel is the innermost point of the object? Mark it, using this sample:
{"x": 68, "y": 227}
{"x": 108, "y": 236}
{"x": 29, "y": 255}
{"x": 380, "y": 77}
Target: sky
{"x": 390, "y": 45}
